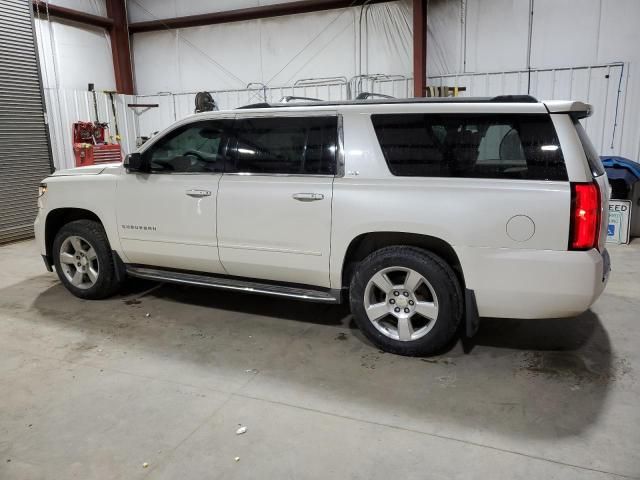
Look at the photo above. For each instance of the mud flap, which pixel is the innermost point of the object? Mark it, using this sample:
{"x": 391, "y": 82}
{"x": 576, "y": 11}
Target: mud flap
{"x": 120, "y": 269}
{"x": 472, "y": 319}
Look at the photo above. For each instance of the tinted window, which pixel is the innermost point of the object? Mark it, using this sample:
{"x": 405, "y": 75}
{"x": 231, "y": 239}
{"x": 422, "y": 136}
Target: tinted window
{"x": 300, "y": 145}
{"x": 595, "y": 164}
{"x": 473, "y": 146}
{"x": 192, "y": 148}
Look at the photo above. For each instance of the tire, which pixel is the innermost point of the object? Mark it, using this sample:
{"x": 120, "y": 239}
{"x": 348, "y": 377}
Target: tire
{"x": 433, "y": 308}
{"x": 83, "y": 260}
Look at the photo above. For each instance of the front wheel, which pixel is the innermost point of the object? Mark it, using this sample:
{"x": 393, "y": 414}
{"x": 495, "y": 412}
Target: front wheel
{"x": 406, "y": 300}
{"x": 83, "y": 260}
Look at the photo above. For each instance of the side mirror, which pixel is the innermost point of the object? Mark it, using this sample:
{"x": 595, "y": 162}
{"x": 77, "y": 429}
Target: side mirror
{"x": 134, "y": 162}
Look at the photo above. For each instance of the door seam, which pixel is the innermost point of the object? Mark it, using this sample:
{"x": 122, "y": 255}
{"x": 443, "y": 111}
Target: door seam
{"x": 216, "y": 220}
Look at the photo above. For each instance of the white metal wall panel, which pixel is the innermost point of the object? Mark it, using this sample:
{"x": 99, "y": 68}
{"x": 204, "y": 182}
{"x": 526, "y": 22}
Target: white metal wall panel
{"x": 24, "y": 146}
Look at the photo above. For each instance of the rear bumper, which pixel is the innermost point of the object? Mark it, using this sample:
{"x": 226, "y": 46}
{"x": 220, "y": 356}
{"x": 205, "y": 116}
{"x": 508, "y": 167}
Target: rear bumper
{"x": 510, "y": 283}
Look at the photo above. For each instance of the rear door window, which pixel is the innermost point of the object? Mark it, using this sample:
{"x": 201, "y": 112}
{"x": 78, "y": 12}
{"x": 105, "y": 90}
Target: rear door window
{"x": 285, "y": 145}
{"x": 518, "y": 146}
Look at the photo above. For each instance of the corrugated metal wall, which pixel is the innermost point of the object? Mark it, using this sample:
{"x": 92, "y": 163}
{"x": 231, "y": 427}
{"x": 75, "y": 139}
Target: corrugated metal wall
{"x": 24, "y": 146}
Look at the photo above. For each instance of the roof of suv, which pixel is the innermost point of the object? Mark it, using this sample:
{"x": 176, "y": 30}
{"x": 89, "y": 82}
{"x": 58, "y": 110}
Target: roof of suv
{"x": 574, "y": 108}
{"x": 385, "y": 101}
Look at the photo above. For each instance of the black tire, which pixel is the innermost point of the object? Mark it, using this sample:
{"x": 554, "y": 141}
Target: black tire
{"x": 106, "y": 283}
{"x": 440, "y": 277}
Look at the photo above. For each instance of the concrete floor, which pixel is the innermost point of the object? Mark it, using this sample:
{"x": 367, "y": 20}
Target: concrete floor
{"x": 164, "y": 375}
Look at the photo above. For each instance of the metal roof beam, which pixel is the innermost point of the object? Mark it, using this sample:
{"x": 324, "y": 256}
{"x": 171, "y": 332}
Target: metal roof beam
{"x": 251, "y": 13}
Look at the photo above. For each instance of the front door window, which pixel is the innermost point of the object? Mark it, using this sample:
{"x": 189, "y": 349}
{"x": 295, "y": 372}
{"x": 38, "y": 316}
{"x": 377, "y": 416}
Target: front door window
{"x": 193, "y": 148}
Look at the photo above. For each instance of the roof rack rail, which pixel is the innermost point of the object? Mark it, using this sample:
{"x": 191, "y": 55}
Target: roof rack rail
{"x": 514, "y": 99}
{"x": 257, "y": 105}
{"x": 292, "y": 98}
{"x": 383, "y": 101}
{"x": 367, "y": 95}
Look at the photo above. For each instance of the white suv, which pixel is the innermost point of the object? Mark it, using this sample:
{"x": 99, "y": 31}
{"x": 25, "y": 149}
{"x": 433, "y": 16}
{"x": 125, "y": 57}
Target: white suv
{"x": 421, "y": 213}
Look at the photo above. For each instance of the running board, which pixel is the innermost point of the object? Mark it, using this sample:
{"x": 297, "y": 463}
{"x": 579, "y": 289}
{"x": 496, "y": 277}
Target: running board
{"x": 238, "y": 285}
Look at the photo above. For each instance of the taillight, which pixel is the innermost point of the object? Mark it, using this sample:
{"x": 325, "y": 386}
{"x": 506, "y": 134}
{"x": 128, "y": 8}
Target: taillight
{"x": 585, "y": 216}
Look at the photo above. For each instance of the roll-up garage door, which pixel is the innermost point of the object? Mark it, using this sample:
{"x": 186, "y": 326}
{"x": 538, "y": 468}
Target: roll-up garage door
{"x": 25, "y": 157}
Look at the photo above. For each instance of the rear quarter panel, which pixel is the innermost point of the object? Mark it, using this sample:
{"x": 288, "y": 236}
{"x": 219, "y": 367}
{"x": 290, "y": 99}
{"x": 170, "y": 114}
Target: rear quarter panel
{"x": 469, "y": 214}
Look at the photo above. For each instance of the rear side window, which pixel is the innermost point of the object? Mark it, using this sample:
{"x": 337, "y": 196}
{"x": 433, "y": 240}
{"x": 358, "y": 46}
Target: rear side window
{"x": 595, "y": 164}
{"x": 293, "y": 145}
{"x": 514, "y": 146}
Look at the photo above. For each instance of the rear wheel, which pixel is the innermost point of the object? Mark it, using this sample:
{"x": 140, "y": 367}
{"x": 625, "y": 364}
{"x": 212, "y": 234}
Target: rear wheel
{"x": 83, "y": 260}
{"x": 406, "y": 300}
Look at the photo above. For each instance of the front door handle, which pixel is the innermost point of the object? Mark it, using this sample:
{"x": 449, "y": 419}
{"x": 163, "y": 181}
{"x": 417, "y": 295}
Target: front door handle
{"x": 307, "y": 197}
{"x": 194, "y": 192}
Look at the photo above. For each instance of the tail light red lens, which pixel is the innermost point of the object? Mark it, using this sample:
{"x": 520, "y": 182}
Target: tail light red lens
{"x": 585, "y": 216}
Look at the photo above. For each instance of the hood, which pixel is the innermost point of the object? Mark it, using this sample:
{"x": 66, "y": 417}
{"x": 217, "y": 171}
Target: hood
{"x": 88, "y": 170}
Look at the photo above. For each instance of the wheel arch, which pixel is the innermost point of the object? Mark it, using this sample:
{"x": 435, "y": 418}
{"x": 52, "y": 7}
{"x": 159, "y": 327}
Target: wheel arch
{"x": 367, "y": 243}
{"x": 59, "y": 217}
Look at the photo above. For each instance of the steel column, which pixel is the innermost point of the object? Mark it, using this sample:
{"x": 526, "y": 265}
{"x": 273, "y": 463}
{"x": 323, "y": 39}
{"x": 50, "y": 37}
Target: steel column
{"x": 120, "y": 50}
{"x": 419, "y": 48}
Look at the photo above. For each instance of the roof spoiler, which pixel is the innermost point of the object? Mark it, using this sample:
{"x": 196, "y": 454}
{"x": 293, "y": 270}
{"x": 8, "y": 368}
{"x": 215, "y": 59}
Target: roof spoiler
{"x": 577, "y": 110}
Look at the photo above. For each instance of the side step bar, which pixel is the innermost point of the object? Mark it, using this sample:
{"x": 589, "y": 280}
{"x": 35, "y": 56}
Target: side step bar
{"x": 238, "y": 285}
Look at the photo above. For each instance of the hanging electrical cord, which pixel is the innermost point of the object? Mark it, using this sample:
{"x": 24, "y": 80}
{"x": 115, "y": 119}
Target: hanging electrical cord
{"x": 52, "y": 42}
{"x": 44, "y": 68}
{"x": 615, "y": 116}
{"x": 98, "y": 11}
{"x": 529, "y": 40}
{"x": 53, "y": 92}
{"x": 359, "y": 72}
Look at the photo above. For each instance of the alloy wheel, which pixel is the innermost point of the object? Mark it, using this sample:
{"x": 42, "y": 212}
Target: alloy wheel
{"x": 79, "y": 262}
{"x": 401, "y": 303}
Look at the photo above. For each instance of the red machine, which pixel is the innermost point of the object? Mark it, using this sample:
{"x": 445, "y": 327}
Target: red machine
{"x": 89, "y": 145}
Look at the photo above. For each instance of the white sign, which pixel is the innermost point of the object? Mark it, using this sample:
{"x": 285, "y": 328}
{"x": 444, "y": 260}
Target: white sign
{"x": 619, "y": 219}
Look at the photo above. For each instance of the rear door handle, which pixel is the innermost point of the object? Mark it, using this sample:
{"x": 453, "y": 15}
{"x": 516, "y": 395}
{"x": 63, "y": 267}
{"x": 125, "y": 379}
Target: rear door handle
{"x": 194, "y": 192}
{"x": 307, "y": 197}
